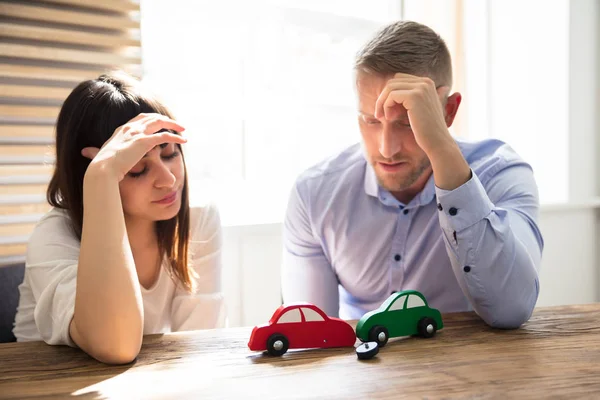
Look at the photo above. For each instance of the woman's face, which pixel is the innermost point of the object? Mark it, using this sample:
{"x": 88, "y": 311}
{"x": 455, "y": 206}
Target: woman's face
{"x": 152, "y": 188}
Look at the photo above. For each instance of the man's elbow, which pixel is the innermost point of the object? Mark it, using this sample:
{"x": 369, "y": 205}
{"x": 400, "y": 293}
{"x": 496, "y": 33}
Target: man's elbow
{"x": 510, "y": 316}
{"x": 512, "y": 319}
{"x": 512, "y": 311}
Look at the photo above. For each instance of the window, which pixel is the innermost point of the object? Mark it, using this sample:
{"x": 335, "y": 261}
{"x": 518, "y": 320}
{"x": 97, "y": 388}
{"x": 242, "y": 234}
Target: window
{"x": 290, "y": 316}
{"x": 311, "y": 315}
{"x": 485, "y": 38}
{"x": 264, "y": 89}
{"x": 414, "y": 301}
{"x": 398, "y": 304}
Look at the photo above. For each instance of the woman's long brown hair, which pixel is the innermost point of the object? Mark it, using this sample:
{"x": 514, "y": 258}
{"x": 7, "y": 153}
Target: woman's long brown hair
{"x": 88, "y": 118}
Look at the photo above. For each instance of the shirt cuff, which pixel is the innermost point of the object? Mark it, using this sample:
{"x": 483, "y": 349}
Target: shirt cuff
{"x": 464, "y": 206}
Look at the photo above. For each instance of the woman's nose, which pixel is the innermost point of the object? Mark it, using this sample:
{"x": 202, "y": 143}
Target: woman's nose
{"x": 165, "y": 177}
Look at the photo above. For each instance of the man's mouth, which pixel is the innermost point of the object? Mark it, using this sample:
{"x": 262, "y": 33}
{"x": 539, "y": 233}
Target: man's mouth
{"x": 392, "y": 167}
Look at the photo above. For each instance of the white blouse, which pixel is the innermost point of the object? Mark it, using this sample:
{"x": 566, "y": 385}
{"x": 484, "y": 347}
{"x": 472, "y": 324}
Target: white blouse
{"x": 47, "y": 301}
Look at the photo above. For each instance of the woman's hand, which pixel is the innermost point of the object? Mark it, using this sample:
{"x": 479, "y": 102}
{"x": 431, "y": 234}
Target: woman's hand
{"x": 130, "y": 142}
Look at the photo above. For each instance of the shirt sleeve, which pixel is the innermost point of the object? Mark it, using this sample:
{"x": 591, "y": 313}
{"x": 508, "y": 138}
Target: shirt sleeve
{"x": 204, "y": 308}
{"x": 494, "y": 243}
{"x": 307, "y": 274}
{"x": 51, "y": 273}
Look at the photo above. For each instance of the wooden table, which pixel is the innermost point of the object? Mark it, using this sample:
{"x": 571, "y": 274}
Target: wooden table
{"x": 555, "y": 355}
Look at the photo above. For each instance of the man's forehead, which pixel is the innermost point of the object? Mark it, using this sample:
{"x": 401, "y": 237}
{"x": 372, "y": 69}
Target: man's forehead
{"x": 369, "y": 83}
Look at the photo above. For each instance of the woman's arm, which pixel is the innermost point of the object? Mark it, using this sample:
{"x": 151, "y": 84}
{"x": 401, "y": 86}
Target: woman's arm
{"x": 109, "y": 318}
{"x": 108, "y": 321}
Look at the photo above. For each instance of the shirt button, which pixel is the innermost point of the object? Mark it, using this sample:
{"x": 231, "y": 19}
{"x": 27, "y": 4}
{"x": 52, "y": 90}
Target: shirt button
{"x": 440, "y": 207}
{"x": 467, "y": 268}
{"x": 452, "y": 211}
{"x": 405, "y": 212}
{"x": 397, "y": 257}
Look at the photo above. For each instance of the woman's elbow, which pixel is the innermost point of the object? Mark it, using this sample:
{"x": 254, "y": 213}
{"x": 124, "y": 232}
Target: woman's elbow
{"x": 115, "y": 354}
{"x": 114, "y": 346}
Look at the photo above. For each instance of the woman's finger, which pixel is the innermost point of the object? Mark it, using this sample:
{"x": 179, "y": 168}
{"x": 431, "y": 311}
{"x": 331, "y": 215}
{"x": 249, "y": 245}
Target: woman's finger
{"x": 90, "y": 152}
{"x": 148, "y": 142}
{"x": 168, "y": 137}
{"x": 161, "y": 122}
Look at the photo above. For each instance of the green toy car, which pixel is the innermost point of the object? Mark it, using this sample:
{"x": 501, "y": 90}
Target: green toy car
{"x": 404, "y": 313}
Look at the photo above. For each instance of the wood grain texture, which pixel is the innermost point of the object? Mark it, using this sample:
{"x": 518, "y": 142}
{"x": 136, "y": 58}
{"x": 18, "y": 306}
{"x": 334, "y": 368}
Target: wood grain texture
{"x": 555, "y": 355}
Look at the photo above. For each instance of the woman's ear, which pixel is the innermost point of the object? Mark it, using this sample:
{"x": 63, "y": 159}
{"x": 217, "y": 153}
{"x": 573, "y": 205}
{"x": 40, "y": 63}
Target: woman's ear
{"x": 451, "y": 108}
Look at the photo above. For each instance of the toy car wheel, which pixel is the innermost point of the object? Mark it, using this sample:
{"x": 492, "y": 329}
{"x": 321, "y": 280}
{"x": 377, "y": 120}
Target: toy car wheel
{"x": 427, "y": 327}
{"x": 277, "y": 345}
{"x": 379, "y": 334}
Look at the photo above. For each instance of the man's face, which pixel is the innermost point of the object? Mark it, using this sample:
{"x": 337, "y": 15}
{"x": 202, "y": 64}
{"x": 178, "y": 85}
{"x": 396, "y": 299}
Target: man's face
{"x": 390, "y": 146}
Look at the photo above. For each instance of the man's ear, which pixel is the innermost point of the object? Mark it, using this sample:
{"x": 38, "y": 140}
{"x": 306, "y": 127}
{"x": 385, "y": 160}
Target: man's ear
{"x": 451, "y": 108}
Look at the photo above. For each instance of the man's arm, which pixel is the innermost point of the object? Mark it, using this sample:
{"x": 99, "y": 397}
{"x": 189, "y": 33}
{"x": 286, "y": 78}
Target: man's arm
{"x": 494, "y": 243}
{"x": 306, "y": 274}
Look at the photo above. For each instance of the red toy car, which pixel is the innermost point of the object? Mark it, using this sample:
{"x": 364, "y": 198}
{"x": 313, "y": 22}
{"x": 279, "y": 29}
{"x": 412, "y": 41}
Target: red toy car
{"x": 300, "y": 326}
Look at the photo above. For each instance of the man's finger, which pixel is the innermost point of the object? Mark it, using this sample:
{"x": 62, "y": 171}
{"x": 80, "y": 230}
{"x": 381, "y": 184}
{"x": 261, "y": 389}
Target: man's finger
{"x": 396, "y": 97}
{"x": 407, "y": 77}
{"x": 443, "y": 91}
{"x": 385, "y": 94}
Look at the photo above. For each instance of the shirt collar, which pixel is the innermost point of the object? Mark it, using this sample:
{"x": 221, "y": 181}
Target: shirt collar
{"x": 371, "y": 185}
{"x": 373, "y": 189}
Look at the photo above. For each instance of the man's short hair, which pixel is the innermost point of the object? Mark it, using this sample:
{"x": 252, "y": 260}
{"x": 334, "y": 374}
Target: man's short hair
{"x": 407, "y": 47}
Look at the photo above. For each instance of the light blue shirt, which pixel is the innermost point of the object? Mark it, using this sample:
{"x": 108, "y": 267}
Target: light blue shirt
{"x": 348, "y": 243}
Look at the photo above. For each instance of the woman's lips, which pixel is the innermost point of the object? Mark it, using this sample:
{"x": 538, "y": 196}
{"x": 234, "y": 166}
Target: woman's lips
{"x": 170, "y": 198}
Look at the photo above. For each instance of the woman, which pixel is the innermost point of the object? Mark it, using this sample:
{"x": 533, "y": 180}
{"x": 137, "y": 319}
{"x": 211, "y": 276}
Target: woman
{"x": 120, "y": 255}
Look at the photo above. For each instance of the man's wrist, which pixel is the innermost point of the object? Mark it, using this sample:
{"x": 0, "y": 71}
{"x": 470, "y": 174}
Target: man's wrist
{"x": 450, "y": 169}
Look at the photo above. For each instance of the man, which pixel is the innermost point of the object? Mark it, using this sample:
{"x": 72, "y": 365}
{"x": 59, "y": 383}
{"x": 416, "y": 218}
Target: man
{"x": 414, "y": 208}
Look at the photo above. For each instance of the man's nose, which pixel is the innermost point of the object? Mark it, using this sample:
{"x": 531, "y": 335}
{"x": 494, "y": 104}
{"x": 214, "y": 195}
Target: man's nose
{"x": 390, "y": 142}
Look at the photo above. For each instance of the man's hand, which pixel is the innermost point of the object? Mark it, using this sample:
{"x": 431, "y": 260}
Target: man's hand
{"x": 423, "y": 104}
{"x": 419, "y": 96}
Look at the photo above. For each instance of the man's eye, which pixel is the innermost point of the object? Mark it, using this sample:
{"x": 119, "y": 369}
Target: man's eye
{"x": 372, "y": 121}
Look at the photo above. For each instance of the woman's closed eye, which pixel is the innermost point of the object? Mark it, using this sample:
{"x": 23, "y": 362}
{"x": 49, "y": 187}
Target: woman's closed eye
{"x": 165, "y": 157}
{"x": 170, "y": 156}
